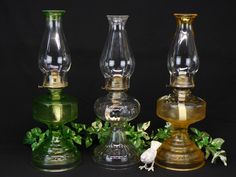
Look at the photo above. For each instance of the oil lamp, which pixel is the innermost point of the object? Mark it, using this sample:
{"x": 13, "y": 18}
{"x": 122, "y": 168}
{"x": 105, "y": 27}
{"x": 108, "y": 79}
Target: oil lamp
{"x": 55, "y": 108}
{"x": 117, "y": 65}
{"x": 181, "y": 108}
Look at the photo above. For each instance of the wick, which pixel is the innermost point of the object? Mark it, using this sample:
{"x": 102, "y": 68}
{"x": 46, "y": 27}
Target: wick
{"x": 182, "y": 111}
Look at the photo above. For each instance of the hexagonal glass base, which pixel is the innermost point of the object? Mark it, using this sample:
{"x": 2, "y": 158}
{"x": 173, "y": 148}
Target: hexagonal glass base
{"x": 179, "y": 153}
{"x": 117, "y": 153}
{"x": 56, "y": 154}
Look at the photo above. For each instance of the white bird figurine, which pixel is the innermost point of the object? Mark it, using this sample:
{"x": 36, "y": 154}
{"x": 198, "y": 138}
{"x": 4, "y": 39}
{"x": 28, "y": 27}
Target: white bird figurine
{"x": 148, "y": 156}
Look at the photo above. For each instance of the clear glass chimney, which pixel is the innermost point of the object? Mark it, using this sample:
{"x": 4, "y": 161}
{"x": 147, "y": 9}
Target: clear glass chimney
{"x": 54, "y": 56}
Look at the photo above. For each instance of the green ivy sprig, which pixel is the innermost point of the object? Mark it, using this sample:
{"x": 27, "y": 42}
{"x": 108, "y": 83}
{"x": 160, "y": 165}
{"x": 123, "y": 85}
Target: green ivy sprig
{"x": 35, "y": 137}
{"x": 81, "y": 134}
{"x": 209, "y": 145}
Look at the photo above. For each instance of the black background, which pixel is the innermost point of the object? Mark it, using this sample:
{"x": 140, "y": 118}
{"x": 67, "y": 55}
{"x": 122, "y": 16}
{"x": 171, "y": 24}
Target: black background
{"x": 150, "y": 28}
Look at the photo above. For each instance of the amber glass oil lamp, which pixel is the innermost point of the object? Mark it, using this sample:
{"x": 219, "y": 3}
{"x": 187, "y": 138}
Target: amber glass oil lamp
{"x": 55, "y": 108}
{"x": 117, "y": 107}
{"x": 181, "y": 108}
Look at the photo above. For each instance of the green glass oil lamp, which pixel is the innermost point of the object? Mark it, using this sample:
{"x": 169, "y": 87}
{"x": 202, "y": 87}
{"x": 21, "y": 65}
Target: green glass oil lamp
{"x": 55, "y": 108}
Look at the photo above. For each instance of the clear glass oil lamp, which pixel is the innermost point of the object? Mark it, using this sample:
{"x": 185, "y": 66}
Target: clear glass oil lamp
{"x": 181, "y": 108}
{"x": 117, "y": 65}
{"x": 55, "y": 108}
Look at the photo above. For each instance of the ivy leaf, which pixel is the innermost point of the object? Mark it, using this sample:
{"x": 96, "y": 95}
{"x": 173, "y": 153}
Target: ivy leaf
{"x": 88, "y": 141}
{"x": 137, "y": 142}
{"x": 97, "y": 125}
{"x": 29, "y": 139}
{"x": 168, "y": 125}
{"x": 217, "y": 142}
{"x": 90, "y": 130}
{"x": 200, "y": 144}
{"x": 162, "y": 134}
{"x": 205, "y": 141}
{"x": 106, "y": 125}
{"x": 207, "y": 153}
{"x": 144, "y": 126}
{"x": 223, "y": 158}
{"x": 77, "y": 139}
{"x": 211, "y": 149}
{"x": 220, "y": 154}
{"x": 41, "y": 138}
{"x": 34, "y": 146}
{"x": 78, "y": 127}
{"x": 102, "y": 136}
{"x": 204, "y": 134}
{"x": 67, "y": 132}
{"x": 34, "y": 137}
{"x": 196, "y": 131}
{"x": 46, "y": 133}
{"x": 36, "y": 131}
{"x": 145, "y": 135}
{"x": 128, "y": 133}
{"x": 152, "y": 135}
